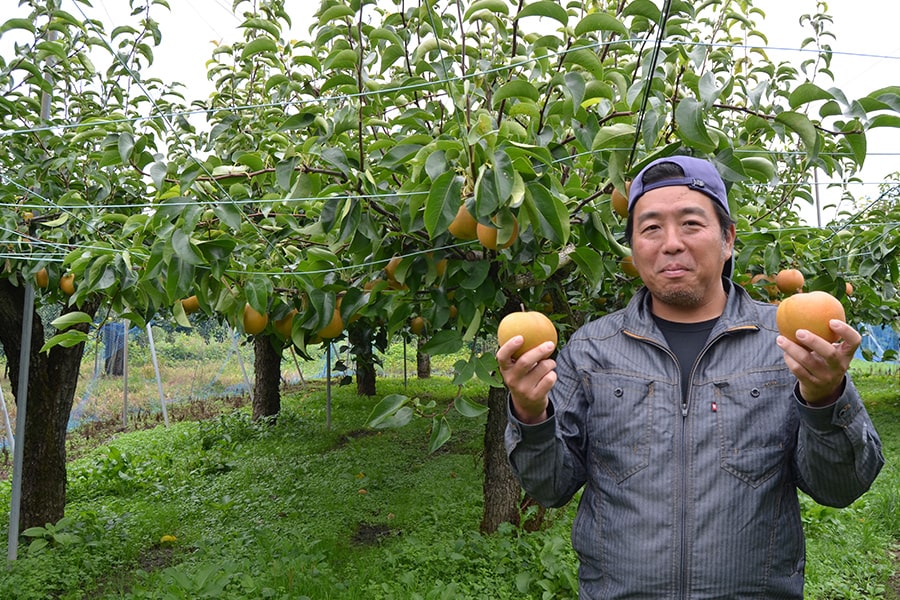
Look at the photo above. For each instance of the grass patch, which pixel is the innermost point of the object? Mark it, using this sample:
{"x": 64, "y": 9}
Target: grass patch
{"x": 224, "y": 507}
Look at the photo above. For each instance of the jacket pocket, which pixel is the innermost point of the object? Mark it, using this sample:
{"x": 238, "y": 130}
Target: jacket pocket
{"x": 755, "y": 416}
{"x": 620, "y": 420}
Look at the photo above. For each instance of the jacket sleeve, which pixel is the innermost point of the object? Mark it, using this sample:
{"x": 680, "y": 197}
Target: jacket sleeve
{"x": 838, "y": 450}
{"x": 541, "y": 462}
{"x": 548, "y": 458}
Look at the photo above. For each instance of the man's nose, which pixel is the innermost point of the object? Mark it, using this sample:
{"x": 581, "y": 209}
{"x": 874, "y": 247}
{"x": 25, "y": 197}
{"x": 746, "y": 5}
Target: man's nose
{"x": 672, "y": 241}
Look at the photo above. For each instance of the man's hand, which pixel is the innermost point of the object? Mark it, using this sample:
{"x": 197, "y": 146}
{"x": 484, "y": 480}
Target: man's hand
{"x": 818, "y": 365}
{"x": 529, "y": 378}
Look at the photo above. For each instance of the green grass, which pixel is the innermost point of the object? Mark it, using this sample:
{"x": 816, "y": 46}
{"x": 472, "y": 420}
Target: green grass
{"x": 292, "y": 510}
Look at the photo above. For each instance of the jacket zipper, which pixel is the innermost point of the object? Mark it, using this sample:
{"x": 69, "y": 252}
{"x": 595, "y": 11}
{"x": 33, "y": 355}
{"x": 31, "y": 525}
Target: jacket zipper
{"x": 682, "y": 463}
{"x": 682, "y": 559}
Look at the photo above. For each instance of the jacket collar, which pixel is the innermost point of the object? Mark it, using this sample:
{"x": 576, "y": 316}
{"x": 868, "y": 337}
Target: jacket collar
{"x": 741, "y": 312}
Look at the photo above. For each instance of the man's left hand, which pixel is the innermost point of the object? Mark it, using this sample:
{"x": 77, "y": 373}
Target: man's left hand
{"x": 819, "y": 365}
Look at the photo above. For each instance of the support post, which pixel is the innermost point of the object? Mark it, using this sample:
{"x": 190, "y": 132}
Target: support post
{"x": 159, "y": 388}
{"x": 15, "y": 509}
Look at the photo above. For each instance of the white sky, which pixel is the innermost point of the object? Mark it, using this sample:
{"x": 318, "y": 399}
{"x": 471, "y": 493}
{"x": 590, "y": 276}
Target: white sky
{"x": 867, "y": 47}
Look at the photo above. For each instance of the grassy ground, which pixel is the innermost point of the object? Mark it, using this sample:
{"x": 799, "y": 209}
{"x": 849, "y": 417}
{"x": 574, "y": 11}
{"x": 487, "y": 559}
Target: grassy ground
{"x": 216, "y": 506}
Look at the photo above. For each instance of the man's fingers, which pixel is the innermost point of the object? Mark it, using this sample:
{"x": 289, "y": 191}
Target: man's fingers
{"x": 504, "y": 354}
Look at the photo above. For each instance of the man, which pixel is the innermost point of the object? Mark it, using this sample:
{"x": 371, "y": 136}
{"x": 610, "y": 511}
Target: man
{"x": 689, "y": 422}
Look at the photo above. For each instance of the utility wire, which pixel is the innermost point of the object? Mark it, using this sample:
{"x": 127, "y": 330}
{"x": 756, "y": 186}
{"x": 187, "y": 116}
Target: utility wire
{"x": 648, "y": 81}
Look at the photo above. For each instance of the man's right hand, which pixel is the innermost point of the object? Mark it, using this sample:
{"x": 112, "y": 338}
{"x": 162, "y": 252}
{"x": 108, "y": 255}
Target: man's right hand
{"x": 529, "y": 378}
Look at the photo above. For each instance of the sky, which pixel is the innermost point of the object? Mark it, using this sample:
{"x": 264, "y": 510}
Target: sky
{"x": 867, "y": 55}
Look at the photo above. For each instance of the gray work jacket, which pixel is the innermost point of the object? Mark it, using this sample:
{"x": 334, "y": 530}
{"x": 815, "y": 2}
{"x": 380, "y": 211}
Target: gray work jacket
{"x": 695, "y": 499}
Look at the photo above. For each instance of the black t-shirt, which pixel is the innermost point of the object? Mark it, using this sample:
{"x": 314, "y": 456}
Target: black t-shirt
{"x": 686, "y": 340}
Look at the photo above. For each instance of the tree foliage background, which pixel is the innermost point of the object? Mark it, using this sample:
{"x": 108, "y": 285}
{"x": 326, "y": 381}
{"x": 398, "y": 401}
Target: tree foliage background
{"x": 316, "y": 161}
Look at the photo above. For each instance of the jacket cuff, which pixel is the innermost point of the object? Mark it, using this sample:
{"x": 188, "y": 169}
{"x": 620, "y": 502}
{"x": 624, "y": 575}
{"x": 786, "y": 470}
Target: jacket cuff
{"x": 539, "y": 432}
{"x": 837, "y": 415}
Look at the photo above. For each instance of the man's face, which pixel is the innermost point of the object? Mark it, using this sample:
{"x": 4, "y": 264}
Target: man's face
{"x": 679, "y": 252}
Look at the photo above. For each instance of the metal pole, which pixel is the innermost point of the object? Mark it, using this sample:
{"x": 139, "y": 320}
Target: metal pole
{"x": 328, "y": 385}
{"x": 404, "y": 363}
{"x": 21, "y": 406}
{"x": 818, "y": 202}
{"x": 162, "y": 400}
{"x": 125, "y": 374}
{"x": 297, "y": 364}
{"x": 237, "y": 351}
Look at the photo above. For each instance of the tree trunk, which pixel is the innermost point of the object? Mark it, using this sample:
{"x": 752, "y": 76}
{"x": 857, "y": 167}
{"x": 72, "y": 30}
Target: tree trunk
{"x": 501, "y": 490}
{"x": 365, "y": 377}
{"x": 267, "y": 380}
{"x": 423, "y": 360}
{"x": 52, "y": 380}
{"x": 361, "y": 339}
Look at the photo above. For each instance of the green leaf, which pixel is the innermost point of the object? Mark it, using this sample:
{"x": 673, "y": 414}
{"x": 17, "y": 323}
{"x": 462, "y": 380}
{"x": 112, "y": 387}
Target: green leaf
{"x": 576, "y": 87}
{"x": 11, "y": 24}
{"x": 298, "y": 121}
{"x": 276, "y": 80}
{"x": 339, "y": 11}
{"x": 284, "y": 172}
{"x": 35, "y": 532}
{"x": 217, "y": 250}
{"x": 180, "y": 316}
{"x": 269, "y": 27}
{"x": 615, "y": 136}
{"x": 66, "y": 340}
{"x": 500, "y": 7}
{"x": 446, "y": 341}
{"x": 257, "y": 290}
{"x": 642, "y": 8}
{"x": 380, "y": 33}
{"x": 399, "y": 154}
{"x": 758, "y": 168}
{"x": 503, "y": 174}
{"x": 125, "y": 146}
{"x": 808, "y": 92}
{"x": 545, "y": 8}
{"x": 858, "y": 145}
{"x": 62, "y": 219}
{"x": 590, "y": 263}
{"x": 443, "y": 201}
{"x": 600, "y": 21}
{"x": 69, "y": 319}
{"x": 517, "y": 88}
{"x": 476, "y": 274}
{"x": 383, "y": 412}
{"x": 467, "y": 408}
{"x": 179, "y": 277}
{"x": 689, "y": 115}
{"x": 801, "y": 125}
{"x": 547, "y": 214}
{"x": 257, "y": 46}
{"x": 37, "y": 78}
{"x": 440, "y": 433}
{"x": 585, "y": 58}
{"x": 252, "y": 160}
{"x": 229, "y": 214}
{"x": 884, "y": 121}
{"x": 184, "y": 249}
{"x": 390, "y": 55}
{"x": 474, "y": 327}
{"x": 341, "y": 60}
{"x": 336, "y": 158}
